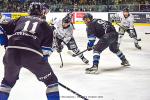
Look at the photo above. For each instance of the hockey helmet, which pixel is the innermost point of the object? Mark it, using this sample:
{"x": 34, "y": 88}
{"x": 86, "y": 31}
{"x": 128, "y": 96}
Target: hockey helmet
{"x": 126, "y": 12}
{"x": 45, "y": 8}
{"x": 66, "y": 19}
{"x": 88, "y": 16}
{"x": 35, "y": 8}
{"x": 126, "y": 9}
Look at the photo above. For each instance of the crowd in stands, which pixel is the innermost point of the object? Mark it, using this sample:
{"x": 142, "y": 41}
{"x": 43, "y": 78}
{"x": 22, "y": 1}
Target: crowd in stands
{"x": 77, "y": 5}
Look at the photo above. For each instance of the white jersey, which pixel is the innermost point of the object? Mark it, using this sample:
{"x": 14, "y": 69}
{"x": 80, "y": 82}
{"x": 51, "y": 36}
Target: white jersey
{"x": 3, "y": 19}
{"x": 63, "y": 32}
{"x": 127, "y": 22}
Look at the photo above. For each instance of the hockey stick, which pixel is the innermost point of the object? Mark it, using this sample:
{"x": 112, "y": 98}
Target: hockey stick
{"x": 61, "y": 60}
{"x": 74, "y": 55}
{"x": 58, "y": 52}
{"x": 147, "y": 33}
{"x": 126, "y": 30}
{"x": 72, "y": 91}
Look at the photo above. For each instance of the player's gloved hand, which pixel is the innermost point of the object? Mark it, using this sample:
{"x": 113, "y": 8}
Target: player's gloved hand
{"x": 45, "y": 58}
{"x": 125, "y": 28}
{"x": 90, "y": 46}
{"x": 3, "y": 37}
{"x": 47, "y": 51}
{"x": 91, "y": 38}
{"x": 59, "y": 48}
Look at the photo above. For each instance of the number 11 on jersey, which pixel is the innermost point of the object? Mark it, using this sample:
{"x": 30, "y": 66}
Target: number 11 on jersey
{"x": 33, "y": 28}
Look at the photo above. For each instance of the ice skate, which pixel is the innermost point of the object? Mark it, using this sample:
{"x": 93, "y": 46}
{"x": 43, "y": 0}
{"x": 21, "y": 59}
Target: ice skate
{"x": 85, "y": 60}
{"x": 125, "y": 63}
{"x": 137, "y": 46}
{"x": 92, "y": 70}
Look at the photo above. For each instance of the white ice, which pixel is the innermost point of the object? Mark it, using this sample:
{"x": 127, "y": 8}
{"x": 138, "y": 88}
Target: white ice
{"x": 113, "y": 83}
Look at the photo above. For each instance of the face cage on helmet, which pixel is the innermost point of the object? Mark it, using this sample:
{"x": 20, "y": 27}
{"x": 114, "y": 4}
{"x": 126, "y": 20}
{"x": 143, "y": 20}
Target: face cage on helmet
{"x": 66, "y": 20}
{"x": 87, "y": 19}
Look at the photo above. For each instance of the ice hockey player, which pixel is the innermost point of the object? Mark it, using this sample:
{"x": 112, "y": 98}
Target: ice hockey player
{"x": 108, "y": 37}
{"x": 127, "y": 25}
{"x": 29, "y": 47}
{"x": 64, "y": 35}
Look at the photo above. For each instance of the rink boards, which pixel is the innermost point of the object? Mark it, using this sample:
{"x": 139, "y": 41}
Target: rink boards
{"x": 141, "y": 18}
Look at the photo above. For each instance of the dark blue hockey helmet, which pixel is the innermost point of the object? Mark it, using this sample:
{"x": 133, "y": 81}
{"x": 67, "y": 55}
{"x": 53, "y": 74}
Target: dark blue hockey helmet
{"x": 35, "y": 8}
{"x": 45, "y": 6}
{"x": 88, "y": 16}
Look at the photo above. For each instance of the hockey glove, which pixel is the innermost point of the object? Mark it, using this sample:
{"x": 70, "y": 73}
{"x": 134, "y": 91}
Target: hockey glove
{"x": 3, "y": 37}
{"x": 59, "y": 45}
{"x": 45, "y": 58}
{"x": 59, "y": 48}
{"x": 90, "y": 46}
{"x": 46, "y": 52}
{"x": 125, "y": 28}
{"x": 91, "y": 39}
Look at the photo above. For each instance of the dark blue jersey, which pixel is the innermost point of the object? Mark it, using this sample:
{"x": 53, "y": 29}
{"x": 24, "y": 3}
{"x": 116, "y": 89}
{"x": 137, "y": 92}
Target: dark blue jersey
{"x": 99, "y": 27}
{"x": 30, "y": 33}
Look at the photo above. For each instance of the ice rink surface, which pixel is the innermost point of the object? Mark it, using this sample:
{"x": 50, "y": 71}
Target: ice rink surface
{"x": 113, "y": 83}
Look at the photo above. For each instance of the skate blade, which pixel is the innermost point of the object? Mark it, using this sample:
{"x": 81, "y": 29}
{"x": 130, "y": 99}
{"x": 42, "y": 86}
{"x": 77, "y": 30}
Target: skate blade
{"x": 126, "y": 66}
{"x": 92, "y": 72}
{"x": 86, "y": 63}
{"x": 138, "y": 48}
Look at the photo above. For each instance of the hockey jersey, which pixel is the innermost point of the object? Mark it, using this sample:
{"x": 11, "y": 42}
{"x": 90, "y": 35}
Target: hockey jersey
{"x": 99, "y": 27}
{"x": 127, "y": 22}
{"x": 63, "y": 32}
{"x": 29, "y": 33}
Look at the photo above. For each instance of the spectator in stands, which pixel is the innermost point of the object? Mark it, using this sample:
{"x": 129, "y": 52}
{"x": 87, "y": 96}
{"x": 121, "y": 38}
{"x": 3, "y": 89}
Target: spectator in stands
{"x": 76, "y": 5}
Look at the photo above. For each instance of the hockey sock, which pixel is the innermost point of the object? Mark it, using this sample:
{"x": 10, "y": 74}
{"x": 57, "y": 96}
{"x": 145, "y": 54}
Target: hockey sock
{"x": 135, "y": 40}
{"x": 120, "y": 55}
{"x": 96, "y": 58}
{"x": 52, "y": 92}
{"x": 4, "y": 92}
